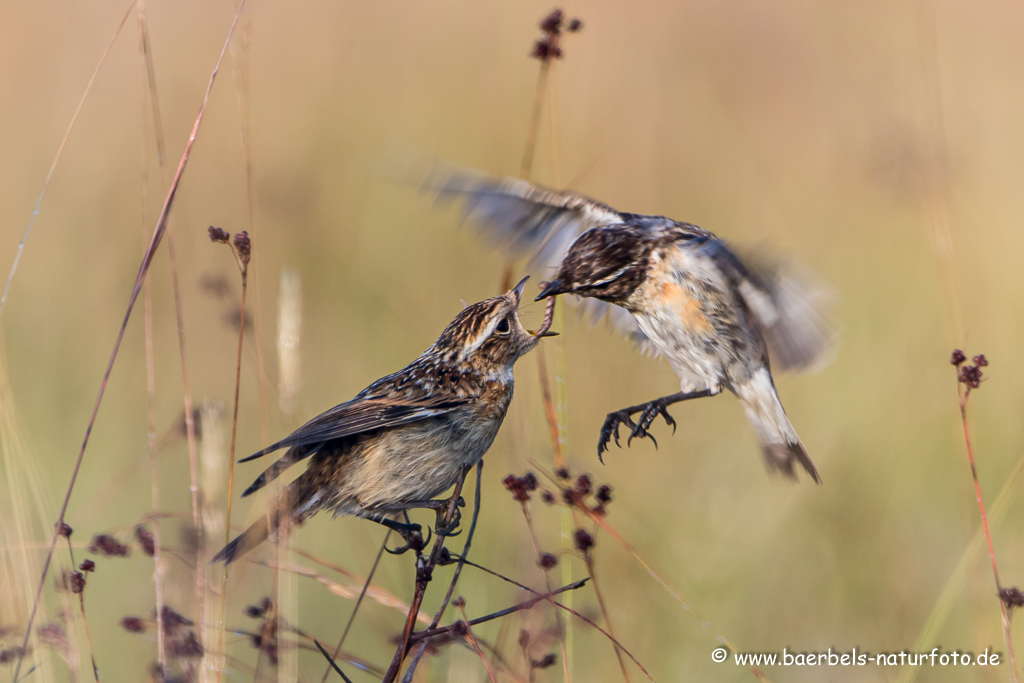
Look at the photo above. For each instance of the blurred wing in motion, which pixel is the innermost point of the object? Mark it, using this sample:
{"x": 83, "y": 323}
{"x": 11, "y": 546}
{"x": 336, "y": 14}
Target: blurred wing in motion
{"x": 528, "y": 220}
{"x": 790, "y": 306}
{"x": 520, "y": 217}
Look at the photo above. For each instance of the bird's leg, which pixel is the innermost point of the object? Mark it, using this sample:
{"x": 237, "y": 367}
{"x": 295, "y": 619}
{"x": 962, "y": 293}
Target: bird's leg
{"x": 440, "y": 507}
{"x": 648, "y": 411}
{"x": 409, "y": 532}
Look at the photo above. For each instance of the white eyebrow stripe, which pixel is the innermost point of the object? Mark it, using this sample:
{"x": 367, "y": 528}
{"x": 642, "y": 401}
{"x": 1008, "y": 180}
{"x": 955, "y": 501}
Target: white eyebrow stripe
{"x": 611, "y": 278}
{"x": 468, "y": 350}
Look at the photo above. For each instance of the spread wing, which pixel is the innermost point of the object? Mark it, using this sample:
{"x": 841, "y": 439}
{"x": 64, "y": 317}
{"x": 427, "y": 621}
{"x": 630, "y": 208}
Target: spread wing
{"x": 526, "y": 220}
{"x": 362, "y": 414}
{"x": 521, "y": 218}
{"x": 790, "y": 306}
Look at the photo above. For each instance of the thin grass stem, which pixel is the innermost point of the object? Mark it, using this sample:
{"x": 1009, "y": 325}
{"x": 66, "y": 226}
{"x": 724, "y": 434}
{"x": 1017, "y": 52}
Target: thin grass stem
{"x": 158, "y": 234}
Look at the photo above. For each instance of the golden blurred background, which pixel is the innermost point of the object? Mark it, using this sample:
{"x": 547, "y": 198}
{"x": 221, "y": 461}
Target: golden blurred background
{"x": 876, "y": 143}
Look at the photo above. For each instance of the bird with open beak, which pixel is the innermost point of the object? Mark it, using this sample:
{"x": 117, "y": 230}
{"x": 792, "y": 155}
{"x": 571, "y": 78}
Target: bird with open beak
{"x": 674, "y": 287}
{"x": 407, "y": 437}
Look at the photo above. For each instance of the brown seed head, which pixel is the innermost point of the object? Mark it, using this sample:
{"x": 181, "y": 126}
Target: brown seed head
{"x": 957, "y": 358}
{"x": 145, "y": 540}
{"x": 524, "y": 638}
{"x": 133, "y": 624}
{"x": 87, "y": 566}
{"x": 1012, "y": 597}
{"x": 108, "y": 546}
{"x": 243, "y": 247}
{"x": 547, "y": 561}
{"x": 218, "y": 235}
{"x": 583, "y": 540}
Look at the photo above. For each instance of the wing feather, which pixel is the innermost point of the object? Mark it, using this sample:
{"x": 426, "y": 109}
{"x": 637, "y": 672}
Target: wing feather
{"x": 519, "y": 216}
{"x": 361, "y": 414}
{"x": 791, "y": 306}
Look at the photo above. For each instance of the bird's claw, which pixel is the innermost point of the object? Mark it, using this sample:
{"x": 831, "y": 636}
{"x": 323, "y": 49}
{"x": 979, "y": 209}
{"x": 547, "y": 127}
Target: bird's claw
{"x": 610, "y": 430}
{"x": 413, "y": 539}
{"x": 639, "y": 429}
{"x": 450, "y": 528}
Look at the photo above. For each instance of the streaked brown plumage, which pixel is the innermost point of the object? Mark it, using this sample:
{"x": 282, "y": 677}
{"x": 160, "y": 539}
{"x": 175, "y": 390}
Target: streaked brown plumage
{"x": 407, "y": 437}
{"x": 673, "y": 287}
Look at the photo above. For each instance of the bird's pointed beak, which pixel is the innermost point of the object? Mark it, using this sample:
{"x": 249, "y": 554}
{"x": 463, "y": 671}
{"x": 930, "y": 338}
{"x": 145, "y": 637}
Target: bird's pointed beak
{"x": 552, "y": 288}
{"x": 518, "y": 289}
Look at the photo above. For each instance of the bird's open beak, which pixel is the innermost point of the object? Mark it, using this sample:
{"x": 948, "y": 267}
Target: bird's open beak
{"x": 551, "y": 289}
{"x": 518, "y": 289}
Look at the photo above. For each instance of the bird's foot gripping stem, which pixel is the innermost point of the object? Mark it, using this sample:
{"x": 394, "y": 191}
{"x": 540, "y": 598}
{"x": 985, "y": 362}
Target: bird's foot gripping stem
{"x": 410, "y": 533}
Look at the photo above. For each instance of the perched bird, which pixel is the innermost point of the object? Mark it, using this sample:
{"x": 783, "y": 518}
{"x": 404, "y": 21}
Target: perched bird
{"x": 674, "y": 287}
{"x": 409, "y": 436}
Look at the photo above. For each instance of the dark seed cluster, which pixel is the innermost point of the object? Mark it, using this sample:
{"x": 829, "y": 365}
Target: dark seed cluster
{"x": 108, "y": 546}
{"x": 583, "y": 540}
{"x": 968, "y": 375}
{"x": 548, "y": 46}
{"x": 521, "y": 487}
{"x": 1012, "y": 597}
{"x": 145, "y": 540}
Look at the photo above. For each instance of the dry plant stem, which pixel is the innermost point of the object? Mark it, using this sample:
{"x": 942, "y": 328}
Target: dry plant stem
{"x": 955, "y": 583}
{"x": 154, "y": 479}
{"x": 529, "y": 150}
{"x": 243, "y": 267}
{"x": 88, "y": 638}
{"x": 423, "y": 635}
{"x": 455, "y": 576}
{"x": 604, "y": 612}
{"x": 964, "y": 396}
{"x": 543, "y": 596}
{"x": 158, "y": 233}
{"x": 526, "y": 604}
{"x": 355, "y": 610}
{"x": 476, "y": 646}
{"x": 558, "y": 618}
{"x": 190, "y": 431}
{"x": 423, "y": 568}
{"x": 56, "y": 157}
{"x": 331, "y": 662}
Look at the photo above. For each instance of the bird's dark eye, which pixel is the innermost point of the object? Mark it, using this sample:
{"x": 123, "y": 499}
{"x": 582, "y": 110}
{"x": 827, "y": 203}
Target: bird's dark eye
{"x": 503, "y": 326}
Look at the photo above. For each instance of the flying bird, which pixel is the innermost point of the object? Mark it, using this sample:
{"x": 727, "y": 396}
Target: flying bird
{"x": 675, "y": 288}
{"x": 407, "y": 437}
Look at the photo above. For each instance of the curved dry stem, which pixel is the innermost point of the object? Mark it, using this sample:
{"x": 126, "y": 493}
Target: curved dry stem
{"x": 158, "y": 234}
{"x": 455, "y": 577}
{"x": 56, "y": 157}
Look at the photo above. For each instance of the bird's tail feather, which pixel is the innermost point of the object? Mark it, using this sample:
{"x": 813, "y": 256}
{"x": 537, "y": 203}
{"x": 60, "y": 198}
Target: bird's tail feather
{"x": 779, "y": 441}
{"x": 247, "y": 540}
{"x": 292, "y": 456}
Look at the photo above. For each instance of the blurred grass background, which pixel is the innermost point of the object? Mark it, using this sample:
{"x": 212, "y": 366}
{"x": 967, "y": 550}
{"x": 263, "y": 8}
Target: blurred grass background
{"x": 840, "y": 134}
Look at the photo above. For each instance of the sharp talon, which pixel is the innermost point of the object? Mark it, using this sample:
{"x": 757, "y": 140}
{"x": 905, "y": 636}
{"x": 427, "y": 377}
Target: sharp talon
{"x": 429, "y": 536}
{"x": 410, "y": 533}
{"x": 668, "y": 419}
{"x": 448, "y": 534}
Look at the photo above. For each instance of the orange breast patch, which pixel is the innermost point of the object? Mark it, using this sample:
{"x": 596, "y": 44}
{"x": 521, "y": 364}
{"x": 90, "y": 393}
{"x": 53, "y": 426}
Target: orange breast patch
{"x": 686, "y": 307}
